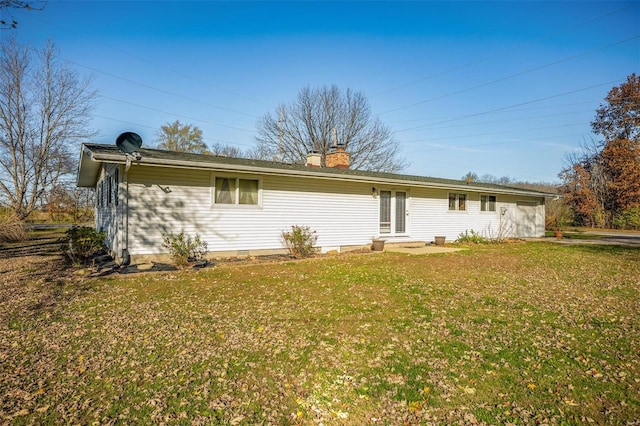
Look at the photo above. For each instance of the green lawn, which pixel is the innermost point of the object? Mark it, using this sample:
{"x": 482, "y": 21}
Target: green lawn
{"x": 522, "y": 333}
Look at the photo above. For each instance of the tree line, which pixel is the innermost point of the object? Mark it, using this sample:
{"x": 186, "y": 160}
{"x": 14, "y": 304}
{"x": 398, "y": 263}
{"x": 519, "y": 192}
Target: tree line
{"x": 601, "y": 184}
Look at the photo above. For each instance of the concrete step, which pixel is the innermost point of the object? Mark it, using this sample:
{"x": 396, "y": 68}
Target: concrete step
{"x": 404, "y": 244}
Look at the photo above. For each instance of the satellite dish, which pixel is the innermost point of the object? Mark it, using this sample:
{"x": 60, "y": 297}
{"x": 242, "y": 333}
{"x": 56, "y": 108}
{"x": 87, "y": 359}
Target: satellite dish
{"x": 129, "y": 142}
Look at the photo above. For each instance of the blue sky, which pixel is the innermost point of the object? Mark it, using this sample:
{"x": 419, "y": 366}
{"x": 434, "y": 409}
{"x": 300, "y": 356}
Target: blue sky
{"x": 501, "y": 88}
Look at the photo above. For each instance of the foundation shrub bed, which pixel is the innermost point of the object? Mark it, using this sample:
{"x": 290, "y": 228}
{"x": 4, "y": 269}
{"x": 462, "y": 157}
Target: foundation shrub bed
{"x": 184, "y": 249}
{"x": 300, "y": 241}
{"x": 471, "y": 237}
{"x": 81, "y": 243}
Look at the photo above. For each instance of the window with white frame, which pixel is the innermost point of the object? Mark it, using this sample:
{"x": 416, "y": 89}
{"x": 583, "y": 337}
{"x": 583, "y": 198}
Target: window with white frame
{"x": 457, "y": 202}
{"x": 236, "y": 191}
{"x": 487, "y": 203}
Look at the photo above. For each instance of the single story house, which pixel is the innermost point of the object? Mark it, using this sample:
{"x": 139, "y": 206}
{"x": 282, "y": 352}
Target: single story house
{"x": 242, "y": 206}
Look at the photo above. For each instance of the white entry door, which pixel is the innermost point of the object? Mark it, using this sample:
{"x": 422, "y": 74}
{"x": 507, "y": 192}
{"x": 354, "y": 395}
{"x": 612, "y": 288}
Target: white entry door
{"x": 393, "y": 212}
{"x": 527, "y": 219}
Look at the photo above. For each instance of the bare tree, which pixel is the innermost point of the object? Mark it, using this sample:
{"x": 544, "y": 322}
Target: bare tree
{"x": 17, "y": 4}
{"x": 225, "y": 150}
{"x": 321, "y": 118}
{"x": 471, "y": 177}
{"x": 181, "y": 138}
{"x": 44, "y": 112}
{"x": 66, "y": 202}
{"x": 489, "y": 178}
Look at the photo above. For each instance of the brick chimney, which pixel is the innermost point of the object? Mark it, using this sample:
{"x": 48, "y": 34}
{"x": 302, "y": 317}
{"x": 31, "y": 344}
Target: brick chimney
{"x": 314, "y": 159}
{"x": 338, "y": 158}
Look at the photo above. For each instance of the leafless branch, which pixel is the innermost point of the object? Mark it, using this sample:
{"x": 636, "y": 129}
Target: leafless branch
{"x": 320, "y": 118}
{"x": 44, "y": 113}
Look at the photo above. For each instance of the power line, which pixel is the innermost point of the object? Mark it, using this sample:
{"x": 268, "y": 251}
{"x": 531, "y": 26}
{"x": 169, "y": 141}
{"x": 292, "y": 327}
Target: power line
{"x": 155, "y": 64}
{"x": 159, "y": 90}
{"x": 173, "y": 114}
{"x": 501, "y": 52}
{"x": 462, "y": 117}
{"x": 138, "y": 125}
{"x": 512, "y": 75}
{"x": 493, "y": 133}
{"x": 461, "y": 147}
{"x": 505, "y": 120}
{"x": 188, "y": 76}
{"x": 398, "y": 65}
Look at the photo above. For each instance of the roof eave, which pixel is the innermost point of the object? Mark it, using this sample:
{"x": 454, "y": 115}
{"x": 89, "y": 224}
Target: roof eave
{"x": 120, "y": 159}
{"x": 88, "y": 168}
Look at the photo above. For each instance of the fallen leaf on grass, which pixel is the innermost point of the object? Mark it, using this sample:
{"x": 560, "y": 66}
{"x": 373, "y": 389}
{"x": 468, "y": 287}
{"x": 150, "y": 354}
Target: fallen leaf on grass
{"x": 415, "y": 406}
{"x": 22, "y": 412}
{"x": 468, "y": 390}
{"x": 342, "y": 415}
{"x": 237, "y": 420}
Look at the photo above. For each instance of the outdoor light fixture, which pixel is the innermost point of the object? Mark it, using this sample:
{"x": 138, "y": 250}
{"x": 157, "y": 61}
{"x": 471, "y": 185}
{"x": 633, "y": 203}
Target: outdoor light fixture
{"x": 374, "y": 191}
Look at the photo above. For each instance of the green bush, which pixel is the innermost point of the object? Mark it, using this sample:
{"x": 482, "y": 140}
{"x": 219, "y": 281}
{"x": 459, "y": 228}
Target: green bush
{"x": 300, "y": 241}
{"x": 471, "y": 237}
{"x": 81, "y": 243}
{"x": 183, "y": 249}
{"x": 628, "y": 219}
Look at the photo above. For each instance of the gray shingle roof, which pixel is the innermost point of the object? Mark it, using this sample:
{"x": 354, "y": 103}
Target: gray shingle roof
{"x": 111, "y": 153}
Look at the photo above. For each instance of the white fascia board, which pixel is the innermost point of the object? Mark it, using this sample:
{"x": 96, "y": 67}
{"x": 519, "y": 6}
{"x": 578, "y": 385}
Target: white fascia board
{"x": 118, "y": 159}
{"x": 88, "y": 168}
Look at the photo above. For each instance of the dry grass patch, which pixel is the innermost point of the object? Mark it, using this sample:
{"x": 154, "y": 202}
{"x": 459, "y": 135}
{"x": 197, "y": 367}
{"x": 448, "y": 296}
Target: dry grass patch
{"x": 11, "y": 230}
{"x": 523, "y": 333}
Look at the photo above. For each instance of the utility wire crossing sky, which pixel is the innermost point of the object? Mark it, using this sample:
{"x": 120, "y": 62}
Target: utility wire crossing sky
{"x": 499, "y": 88}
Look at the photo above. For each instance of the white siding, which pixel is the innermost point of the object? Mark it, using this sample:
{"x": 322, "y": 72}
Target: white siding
{"x": 342, "y": 213}
{"x": 163, "y": 200}
{"x": 431, "y": 216}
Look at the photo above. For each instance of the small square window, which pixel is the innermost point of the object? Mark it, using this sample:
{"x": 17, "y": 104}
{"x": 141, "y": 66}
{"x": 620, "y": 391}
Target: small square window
{"x": 457, "y": 202}
{"x": 488, "y": 203}
{"x": 236, "y": 191}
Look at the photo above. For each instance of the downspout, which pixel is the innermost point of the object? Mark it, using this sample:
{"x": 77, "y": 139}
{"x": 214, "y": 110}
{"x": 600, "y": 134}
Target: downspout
{"x": 126, "y": 258}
